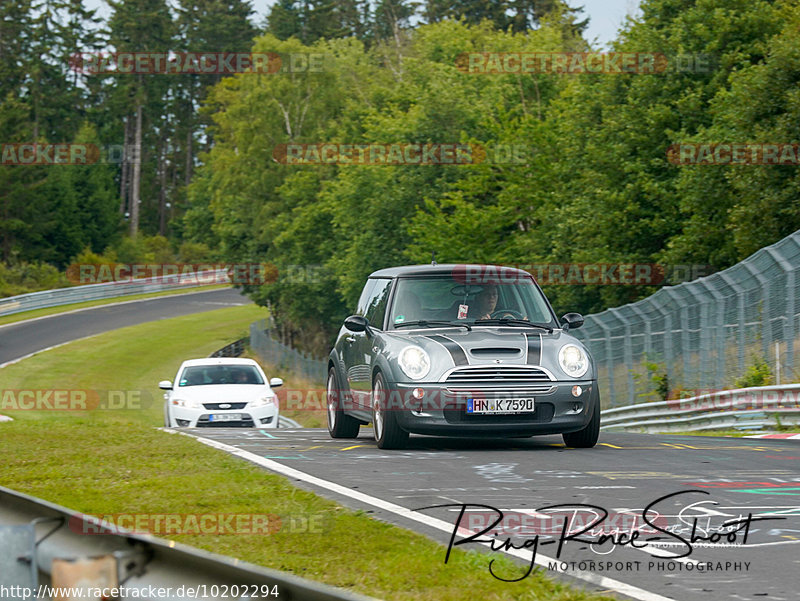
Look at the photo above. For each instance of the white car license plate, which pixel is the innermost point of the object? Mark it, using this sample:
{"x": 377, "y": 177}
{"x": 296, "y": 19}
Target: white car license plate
{"x": 225, "y": 417}
{"x": 495, "y": 406}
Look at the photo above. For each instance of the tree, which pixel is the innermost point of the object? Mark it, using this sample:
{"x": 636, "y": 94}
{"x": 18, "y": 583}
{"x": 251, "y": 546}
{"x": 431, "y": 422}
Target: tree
{"x": 140, "y": 26}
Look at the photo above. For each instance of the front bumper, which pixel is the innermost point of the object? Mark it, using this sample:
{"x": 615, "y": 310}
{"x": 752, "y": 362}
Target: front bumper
{"x": 442, "y": 410}
{"x": 265, "y": 416}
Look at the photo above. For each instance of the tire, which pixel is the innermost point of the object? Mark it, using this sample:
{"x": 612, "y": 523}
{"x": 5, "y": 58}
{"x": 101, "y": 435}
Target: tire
{"x": 340, "y": 425}
{"x": 587, "y": 437}
{"x": 388, "y": 433}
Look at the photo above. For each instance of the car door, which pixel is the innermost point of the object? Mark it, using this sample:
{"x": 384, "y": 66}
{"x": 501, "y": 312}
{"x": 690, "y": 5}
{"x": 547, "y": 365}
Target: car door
{"x": 352, "y": 345}
{"x": 363, "y": 353}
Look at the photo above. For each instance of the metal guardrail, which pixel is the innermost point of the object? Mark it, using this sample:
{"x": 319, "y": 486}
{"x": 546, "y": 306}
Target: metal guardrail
{"x": 45, "y": 544}
{"x": 89, "y": 292}
{"x": 284, "y": 357}
{"x": 739, "y": 409}
{"x": 234, "y": 349}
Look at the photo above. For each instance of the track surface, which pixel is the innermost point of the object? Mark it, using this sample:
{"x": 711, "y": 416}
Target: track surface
{"x": 26, "y": 337}
{"x": 623, "y": 474}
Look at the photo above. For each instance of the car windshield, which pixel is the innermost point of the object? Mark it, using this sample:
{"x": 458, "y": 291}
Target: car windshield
{"x": 437, "y": 299}
{"x": 202, "y": 375}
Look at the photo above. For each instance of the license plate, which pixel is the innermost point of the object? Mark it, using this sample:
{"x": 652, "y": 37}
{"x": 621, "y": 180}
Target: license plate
{"x": 485, "y": 406}
{"x": 225, "y": 417}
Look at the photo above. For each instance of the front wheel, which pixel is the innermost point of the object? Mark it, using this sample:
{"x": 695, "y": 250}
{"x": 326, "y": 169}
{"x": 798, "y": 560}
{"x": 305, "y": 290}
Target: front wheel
{"x": 340, "y": 425}
{"x": 587, "y": 437}
{"x": 388, "y": 433}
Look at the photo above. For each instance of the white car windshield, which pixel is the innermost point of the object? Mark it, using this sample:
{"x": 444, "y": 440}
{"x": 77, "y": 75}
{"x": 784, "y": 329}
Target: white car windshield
{"x": 203, "y": 375}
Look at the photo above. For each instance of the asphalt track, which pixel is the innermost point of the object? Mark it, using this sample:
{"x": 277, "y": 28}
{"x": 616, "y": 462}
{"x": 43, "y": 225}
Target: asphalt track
{"x": 622, "y": 475}
{"x": 23, "y": 338}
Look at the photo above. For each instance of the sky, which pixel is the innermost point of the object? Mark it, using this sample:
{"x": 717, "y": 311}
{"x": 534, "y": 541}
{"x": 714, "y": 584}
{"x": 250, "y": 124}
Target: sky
{"x": 606, "y": 15}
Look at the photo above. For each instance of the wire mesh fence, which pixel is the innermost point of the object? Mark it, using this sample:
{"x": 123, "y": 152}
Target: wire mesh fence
{"x": 283, "y": 357}
{"x": 703, "y": 334}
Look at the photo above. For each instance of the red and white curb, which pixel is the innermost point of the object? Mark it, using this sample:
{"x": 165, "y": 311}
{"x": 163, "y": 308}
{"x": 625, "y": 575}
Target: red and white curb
{"x": 784, "y": 436}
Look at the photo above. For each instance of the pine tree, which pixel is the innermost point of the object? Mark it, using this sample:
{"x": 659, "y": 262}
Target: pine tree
{"x": 140, "y": 26}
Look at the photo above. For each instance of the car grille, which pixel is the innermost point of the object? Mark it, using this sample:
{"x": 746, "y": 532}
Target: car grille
{"x": 454, "y": 414}
{"x": 501, "y": 374}
{"x": 203, "y": 422}
{"x": 488, "y": 391}
{"x": 218, "y": 406}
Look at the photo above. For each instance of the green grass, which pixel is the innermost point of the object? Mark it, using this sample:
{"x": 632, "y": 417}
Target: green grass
{"x": 15, "y": 317}
{"x": 112, "y": 462}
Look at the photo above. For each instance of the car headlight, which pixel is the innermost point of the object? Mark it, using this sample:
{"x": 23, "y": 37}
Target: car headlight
{"x": 266, "y": 400}
{"x": 573, "y": 360}
{"x": 414, "y": 362}
{"x": 186, "y": 404}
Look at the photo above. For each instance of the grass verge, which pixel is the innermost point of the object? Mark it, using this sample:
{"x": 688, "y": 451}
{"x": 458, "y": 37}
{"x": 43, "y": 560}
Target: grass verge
{"x": 112, "y": 462}
{"x": 15, "y": 317}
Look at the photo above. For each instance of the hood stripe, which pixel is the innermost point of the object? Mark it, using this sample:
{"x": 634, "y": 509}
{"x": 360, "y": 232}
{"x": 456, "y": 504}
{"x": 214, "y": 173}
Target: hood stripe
{"x": 534, "y": 349}
{"x": 456, "y": 350}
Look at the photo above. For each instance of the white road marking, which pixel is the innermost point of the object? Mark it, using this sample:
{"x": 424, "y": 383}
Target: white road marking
{"x": 541, "y": 560}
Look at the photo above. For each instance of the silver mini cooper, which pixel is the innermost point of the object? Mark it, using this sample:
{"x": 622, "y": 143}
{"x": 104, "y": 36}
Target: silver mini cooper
{"x": 460, "y": 350}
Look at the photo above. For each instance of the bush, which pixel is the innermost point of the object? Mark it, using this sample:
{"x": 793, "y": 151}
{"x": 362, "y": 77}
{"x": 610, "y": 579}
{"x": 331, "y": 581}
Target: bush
{"x": 22, "y": 277}
{"x": 757, "y": 373}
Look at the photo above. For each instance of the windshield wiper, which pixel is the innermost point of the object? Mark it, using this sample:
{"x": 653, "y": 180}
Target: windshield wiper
{"x": 514, "y": 322}
{"x": 432, "y": 323}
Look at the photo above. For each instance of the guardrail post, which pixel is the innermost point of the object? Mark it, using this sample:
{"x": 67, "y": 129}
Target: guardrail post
{"x": 626, "y": 351}
{"x": 788, "y": 325}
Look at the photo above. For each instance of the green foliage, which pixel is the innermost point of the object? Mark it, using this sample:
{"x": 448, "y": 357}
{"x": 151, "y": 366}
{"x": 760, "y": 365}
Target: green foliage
{"x": 23, "y": 277}
{"x": 592, "y": 183}
{"x": 653, "y": 385}
{"x": 758, "y": 373}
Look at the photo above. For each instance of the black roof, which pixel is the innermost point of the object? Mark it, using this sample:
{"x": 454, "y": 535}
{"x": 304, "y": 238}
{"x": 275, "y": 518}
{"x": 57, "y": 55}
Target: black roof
{"x": 445, "y": 269}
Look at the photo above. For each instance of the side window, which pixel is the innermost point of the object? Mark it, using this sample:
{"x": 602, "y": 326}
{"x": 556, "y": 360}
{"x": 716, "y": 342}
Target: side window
{"x": 377, "y": 303}
{"x": 363, "y": 300}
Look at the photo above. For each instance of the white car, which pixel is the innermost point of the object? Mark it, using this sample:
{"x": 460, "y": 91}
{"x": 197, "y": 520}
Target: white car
{"x": 220, "y": 393}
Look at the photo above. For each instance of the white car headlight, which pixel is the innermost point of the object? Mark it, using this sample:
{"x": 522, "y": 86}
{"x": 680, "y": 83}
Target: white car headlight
{"x": 414, "y": 362}
{"x": 266, "y": 400}
{"x": 573, "y": 360}
{"x": 186, "y": 404}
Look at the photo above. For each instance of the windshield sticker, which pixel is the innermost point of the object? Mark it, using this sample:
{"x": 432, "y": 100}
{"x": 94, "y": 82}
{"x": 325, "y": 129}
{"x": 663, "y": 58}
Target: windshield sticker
{"x": 462, "y": 311}
{"x": 400, "y": 319}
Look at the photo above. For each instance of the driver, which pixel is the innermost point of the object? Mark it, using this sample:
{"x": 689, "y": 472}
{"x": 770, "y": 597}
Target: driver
{"x": 487, "y": 301}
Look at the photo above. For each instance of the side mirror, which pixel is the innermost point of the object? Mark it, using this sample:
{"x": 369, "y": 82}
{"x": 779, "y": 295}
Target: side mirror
{"x": 275, "y": 382}
{"x": 356, "y": 323}
{"x": 571, "y": 321}
{"x": 165, "y": 385}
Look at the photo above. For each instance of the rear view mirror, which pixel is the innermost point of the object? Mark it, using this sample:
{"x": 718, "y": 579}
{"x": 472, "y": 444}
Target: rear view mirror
{"x": 571, "y": 321}
{"x": 356, "y": 323}
{"x": 275, "y": 382}
{"x": 165, "y": 385}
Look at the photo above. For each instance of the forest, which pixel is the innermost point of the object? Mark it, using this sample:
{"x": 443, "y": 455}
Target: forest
{"x": 193, "y": 166}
